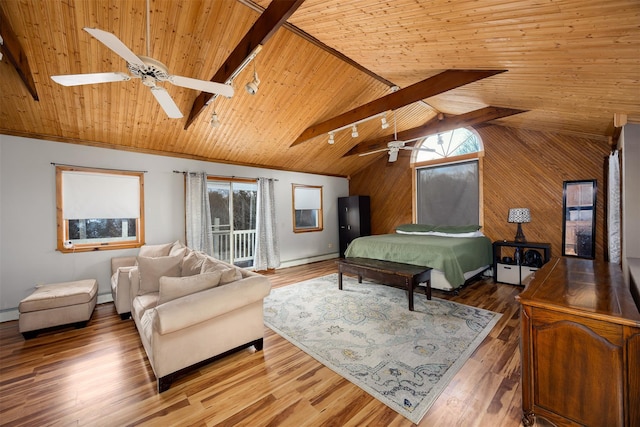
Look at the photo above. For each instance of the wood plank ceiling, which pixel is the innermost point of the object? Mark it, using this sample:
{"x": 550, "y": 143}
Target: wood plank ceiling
{"x": 571, "y": 65}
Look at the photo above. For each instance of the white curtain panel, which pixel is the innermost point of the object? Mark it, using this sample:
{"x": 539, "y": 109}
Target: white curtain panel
{"x": 613, "y": 209}
{"x": 267, "y": 253}
{"x": 198, "y": 213}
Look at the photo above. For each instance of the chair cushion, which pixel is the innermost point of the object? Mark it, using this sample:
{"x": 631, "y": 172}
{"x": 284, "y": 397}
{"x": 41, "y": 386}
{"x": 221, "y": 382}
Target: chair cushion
{"x": 177, "y": 287}
{"x": 152, "y": 268}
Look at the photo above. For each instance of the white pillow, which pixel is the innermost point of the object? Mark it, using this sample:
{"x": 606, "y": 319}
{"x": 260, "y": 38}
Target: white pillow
{"x": 177, "y": 287}
{"x": 151, "y": 269}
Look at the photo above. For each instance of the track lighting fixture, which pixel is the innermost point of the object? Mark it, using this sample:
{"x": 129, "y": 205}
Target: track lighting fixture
{"x": 384, "y": 122}
{"x": 252, "y": 86}
{"x": 215, "y": 121}
{"x": 354, "y": 126}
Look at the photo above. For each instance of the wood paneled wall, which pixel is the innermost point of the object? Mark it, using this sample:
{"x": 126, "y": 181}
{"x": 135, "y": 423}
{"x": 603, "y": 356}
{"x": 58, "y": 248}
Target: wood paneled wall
{"x": 521, "y": 169}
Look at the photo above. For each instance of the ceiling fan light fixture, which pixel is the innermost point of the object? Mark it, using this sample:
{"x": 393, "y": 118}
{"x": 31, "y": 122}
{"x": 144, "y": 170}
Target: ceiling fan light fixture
{"x": 354, "y": 131}
{"x": 331, "y": 138}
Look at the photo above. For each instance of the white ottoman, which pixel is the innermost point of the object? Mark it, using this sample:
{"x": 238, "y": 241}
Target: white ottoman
{"x": 57, "y": 304}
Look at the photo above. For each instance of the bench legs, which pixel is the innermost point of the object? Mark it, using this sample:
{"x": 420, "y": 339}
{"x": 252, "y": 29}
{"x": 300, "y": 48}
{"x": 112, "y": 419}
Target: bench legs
{"x": 410, "y": 285}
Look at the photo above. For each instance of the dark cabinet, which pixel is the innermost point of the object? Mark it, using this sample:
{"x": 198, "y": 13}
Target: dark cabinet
{"x": 354, "y": 219}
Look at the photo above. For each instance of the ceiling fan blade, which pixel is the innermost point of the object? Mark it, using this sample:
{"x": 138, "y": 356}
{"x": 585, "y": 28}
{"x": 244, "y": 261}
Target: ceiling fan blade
{"x": 203, "y": 85}
{"x": 373, "y": 152}
{"x": 166, "y": 102}
{"x": 85, "y": 79}
{"x": 419, "y": 149}
{"x": 114, "y": 43}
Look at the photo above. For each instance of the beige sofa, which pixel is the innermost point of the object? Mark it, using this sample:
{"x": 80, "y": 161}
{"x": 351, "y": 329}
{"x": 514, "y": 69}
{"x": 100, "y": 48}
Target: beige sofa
{"x": 188, "y": 307}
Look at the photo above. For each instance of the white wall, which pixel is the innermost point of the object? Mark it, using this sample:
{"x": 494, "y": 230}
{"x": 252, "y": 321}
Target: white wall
{"x": 28, "y": 213}
{"x": 630, "y": 140}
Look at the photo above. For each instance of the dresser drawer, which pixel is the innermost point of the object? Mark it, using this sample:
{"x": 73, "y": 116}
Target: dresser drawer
{"x": 508, "y": 273}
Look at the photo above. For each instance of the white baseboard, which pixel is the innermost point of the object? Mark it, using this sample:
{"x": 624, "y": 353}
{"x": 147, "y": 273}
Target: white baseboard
{"x": 13, "y": 313}
{"x": 302, "y": 261}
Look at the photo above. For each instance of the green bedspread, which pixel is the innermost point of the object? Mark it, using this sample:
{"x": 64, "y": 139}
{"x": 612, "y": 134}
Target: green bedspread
{"x": 452, "y": 255}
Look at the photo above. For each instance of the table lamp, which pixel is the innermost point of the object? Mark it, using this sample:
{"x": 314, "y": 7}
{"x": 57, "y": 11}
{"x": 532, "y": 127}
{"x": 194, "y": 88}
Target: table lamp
{"x": 519, "y": 216}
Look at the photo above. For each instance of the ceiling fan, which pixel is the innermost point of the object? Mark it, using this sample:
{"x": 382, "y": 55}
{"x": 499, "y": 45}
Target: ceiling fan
{"x": 149, "y": 70}
{"x": 395, "y": 146}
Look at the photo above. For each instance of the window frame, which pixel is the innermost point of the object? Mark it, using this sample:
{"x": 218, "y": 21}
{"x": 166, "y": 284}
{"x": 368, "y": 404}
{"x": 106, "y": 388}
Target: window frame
{"x": 478, "y": 155}
{"x": 319, "y": 223}
{"x": 63, "y": 224}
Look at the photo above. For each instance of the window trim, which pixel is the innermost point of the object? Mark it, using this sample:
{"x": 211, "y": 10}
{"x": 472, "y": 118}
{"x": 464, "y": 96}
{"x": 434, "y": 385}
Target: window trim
{"x": 296, "y": 228}
{"x": 63, "y": 225}
{"x": 479, "y": 155}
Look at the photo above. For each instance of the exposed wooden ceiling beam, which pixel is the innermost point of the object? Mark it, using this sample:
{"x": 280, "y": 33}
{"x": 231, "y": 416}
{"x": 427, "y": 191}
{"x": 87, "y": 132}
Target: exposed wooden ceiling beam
{"x": 273, "y": 17}
{"x": 434, "y": 85}
{"x": 436, "y": 126}
{"x": 11, "y": 47}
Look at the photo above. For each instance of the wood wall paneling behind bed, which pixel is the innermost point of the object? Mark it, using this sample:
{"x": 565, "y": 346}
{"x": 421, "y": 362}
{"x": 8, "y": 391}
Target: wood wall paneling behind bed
{"x": 524, "y": 168}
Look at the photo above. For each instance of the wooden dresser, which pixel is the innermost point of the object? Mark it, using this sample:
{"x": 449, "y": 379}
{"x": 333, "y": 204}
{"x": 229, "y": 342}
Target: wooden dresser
{"x": 580, "y": 346}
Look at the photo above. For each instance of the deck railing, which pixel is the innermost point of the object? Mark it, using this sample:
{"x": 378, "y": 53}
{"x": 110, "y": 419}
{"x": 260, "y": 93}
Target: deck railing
{"x": 243, "y": 248}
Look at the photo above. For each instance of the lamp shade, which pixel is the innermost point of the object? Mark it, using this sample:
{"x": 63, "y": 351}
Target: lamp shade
{"x": 519, "y": 215}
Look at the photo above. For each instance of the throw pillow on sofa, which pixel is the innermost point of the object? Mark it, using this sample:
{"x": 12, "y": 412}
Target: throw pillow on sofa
{"x": 177, "y": 287}
{"x": 155, "y": 250}
{"x": 151, "y": 269}
{"x": 227, "y": 274}
{"x": 192, "y": 263}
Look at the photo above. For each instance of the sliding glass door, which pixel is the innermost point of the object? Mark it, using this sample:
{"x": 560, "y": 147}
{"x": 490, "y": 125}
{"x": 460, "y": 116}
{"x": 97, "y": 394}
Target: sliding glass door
{"x": 233, "y": 220}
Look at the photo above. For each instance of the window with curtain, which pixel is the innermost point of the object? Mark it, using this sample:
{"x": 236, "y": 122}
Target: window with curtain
{"x": 448, "y": 194}
{"x": 98, "y": 209}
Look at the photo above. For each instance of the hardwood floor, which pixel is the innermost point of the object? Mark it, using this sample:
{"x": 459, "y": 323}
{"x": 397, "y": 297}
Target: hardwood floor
{"x": 99, "y": 375}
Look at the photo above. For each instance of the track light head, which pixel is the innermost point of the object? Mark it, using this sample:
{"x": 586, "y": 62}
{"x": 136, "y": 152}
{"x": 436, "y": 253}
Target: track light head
{"x": 215, "y": 121}
{"x": 252, "y": 86}
{"x": 354, "y": 131}
{"x": 331, "y": 138}
{"x": 384, "y": 123}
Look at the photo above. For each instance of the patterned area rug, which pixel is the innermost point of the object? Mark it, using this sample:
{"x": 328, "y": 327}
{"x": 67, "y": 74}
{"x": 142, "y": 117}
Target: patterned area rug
{"x": 367, "y": 334}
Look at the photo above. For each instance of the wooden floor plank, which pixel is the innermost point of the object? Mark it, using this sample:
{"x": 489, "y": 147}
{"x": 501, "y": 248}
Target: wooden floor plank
{"x": 99, "y": 375}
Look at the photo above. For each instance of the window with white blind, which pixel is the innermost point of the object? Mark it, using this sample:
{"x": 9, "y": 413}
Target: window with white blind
{"x": 307, "y": 208}
{"x": 98, "y": 209}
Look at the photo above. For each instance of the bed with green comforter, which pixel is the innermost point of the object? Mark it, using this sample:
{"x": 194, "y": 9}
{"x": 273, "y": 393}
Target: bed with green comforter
{"x": 454, "y": 256}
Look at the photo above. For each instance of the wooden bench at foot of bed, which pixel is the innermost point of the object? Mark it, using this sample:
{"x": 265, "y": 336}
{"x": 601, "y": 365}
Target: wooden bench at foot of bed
{"x": 404, "y": 276}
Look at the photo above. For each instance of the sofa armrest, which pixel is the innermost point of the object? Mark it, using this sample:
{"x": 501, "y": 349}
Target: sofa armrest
{"x": 120, "y": 289}
{"x": 122, "y": 261}
{"x": 134, "y": 283}
{"x": 201, "y": 306}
